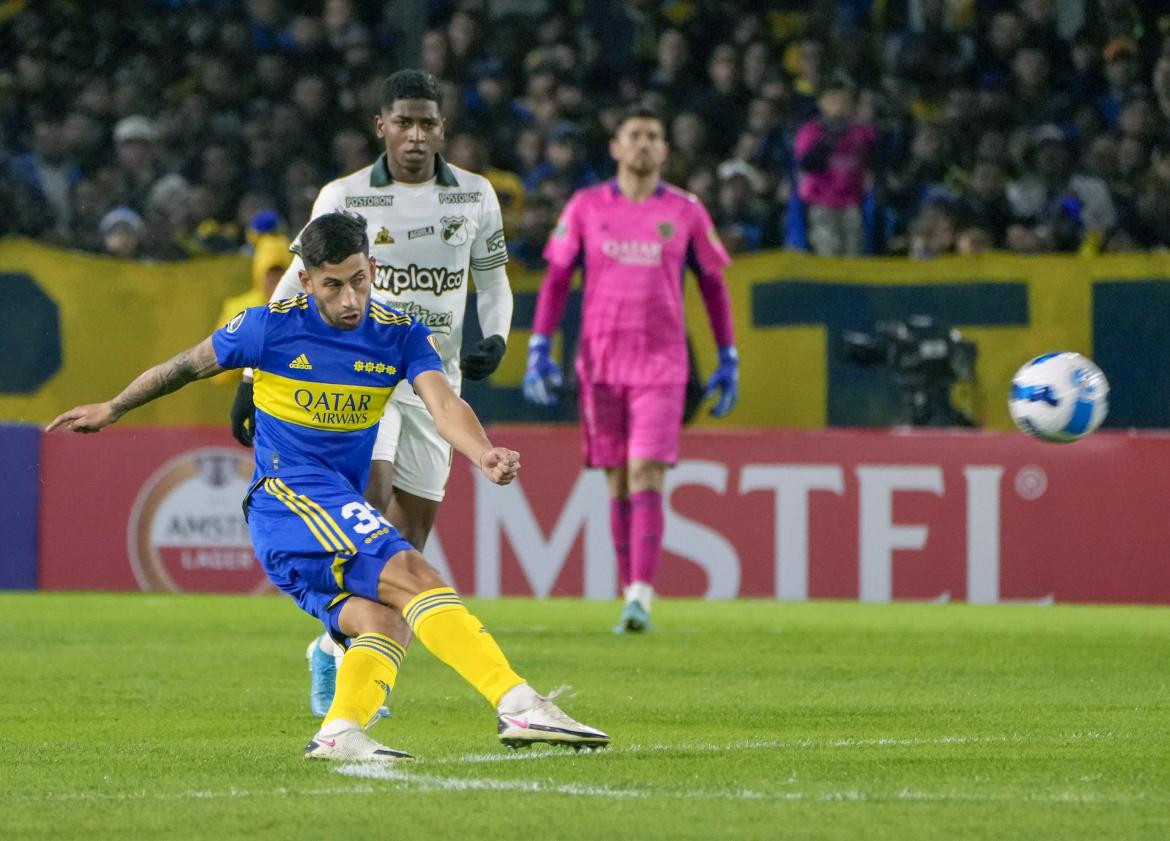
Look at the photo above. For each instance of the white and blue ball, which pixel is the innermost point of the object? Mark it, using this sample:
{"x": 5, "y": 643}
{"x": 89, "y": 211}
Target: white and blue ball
{"x": 1059, "y": 397}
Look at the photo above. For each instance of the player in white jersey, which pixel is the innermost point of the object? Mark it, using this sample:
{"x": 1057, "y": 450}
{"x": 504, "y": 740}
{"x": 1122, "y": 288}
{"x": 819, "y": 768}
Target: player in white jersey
{"x": 430, "y": 226}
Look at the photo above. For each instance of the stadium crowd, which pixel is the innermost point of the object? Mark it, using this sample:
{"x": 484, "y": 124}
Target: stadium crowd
{"x": 166, "y": 130}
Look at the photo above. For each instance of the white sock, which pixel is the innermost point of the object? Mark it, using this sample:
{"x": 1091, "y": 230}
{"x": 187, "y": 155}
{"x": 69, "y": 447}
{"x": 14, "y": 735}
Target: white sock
{"x": 517, "y": 699}
{"x": 626, "y": 593}
{"x": 328, "y": 646}
{"x": 642, "y": 592}
{"x": 336, "y": 726}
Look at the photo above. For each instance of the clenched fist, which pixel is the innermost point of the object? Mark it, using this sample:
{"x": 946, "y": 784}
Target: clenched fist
{"x": 500, "y": 464}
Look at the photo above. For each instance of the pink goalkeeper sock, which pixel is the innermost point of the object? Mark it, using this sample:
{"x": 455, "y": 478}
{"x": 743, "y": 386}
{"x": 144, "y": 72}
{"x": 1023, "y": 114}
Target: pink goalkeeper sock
{"x": 619, "y": 527}
{"x": 646, "y": 526}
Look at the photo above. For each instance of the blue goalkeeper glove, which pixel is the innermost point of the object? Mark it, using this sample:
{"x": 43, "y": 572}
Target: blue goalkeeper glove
{"x": 542, "y": 377}
{"x": 726, "y": 381}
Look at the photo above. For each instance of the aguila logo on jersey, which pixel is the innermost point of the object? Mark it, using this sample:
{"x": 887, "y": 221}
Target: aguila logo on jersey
{"x": 416, "y": 278}
{"x": 187, "y": 533}
{"x": 383, "y": 237}
{"x": 454, "y": 230}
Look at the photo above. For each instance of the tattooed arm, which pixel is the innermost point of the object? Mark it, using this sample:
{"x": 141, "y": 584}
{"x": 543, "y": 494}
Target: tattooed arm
{"x": 195, "y": 363}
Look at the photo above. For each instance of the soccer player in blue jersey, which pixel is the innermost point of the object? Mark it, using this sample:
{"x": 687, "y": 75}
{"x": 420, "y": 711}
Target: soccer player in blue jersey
{"x": 325, "y": 364}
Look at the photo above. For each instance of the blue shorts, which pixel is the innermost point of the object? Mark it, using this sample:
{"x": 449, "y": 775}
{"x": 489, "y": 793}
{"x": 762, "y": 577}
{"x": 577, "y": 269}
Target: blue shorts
{"x": 320, "y": 542}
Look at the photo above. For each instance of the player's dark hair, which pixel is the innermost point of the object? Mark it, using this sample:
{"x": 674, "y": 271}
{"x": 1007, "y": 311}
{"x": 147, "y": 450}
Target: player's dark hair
{"x": 332, "y": 238}
{"x": 410, "y": 84}
{"x": 639, "y": 111}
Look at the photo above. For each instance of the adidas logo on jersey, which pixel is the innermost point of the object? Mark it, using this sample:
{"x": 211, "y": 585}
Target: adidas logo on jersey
{"x": 301, "y": 363}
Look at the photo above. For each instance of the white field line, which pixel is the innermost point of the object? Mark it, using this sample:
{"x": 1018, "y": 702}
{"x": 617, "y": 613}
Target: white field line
{"x": 798, "y": 744}
{"x": 410, "y": 779}
{"x": 421, "y": 783}
{"x": 227, "y": 793}
{"x": 429, "y": 783}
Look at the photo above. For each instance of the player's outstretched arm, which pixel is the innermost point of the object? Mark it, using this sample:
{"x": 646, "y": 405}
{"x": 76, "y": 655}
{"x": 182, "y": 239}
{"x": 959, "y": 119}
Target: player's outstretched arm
{"x": 195, "y": 363}
{"x": 459, "y": 426}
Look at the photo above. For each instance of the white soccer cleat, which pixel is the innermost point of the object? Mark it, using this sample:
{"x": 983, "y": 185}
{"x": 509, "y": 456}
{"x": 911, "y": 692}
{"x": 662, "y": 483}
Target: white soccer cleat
{"x": 352, "y": 744}
{"x": 545, "y": 722}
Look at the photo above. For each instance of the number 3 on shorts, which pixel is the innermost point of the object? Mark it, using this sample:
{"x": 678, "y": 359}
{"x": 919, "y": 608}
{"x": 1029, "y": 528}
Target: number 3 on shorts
{"x": 369, "y": 518}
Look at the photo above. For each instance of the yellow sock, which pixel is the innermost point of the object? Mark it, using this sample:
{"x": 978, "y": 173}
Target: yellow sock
{"x": 365, "y": 677}
{"x": 440, "y": 620}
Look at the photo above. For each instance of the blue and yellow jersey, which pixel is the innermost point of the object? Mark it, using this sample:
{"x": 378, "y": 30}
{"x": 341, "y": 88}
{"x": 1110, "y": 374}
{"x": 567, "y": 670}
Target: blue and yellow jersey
{"x": 320, "y": 391}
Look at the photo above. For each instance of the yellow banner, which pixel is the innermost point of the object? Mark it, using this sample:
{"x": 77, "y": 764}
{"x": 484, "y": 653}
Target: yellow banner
{"x": 116, "y": 319}
{"x": 784, "y": 368}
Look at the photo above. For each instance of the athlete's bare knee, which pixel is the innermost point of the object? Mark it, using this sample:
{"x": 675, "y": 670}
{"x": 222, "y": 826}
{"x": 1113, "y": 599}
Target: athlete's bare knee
{"x": 362, "y": 616}
{"x": 405, "y": 576}
{"x": 647, "y": 475}
{"x": 618, "y": 480}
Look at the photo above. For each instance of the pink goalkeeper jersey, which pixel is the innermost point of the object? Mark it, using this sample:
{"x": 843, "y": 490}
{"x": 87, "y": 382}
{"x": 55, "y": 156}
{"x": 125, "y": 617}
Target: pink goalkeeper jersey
{"x": 633, "y": 330}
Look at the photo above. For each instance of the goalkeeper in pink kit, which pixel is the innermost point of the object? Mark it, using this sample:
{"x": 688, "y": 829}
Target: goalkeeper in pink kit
{"x": 634, "y": 236}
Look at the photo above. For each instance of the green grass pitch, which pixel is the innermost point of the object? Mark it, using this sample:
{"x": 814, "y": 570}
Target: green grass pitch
{"x": 142, "y": 716}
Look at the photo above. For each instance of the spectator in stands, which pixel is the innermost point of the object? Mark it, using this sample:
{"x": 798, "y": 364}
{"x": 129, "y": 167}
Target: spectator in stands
{"x": 1002, "y": 38}
{"x": 564, "y": 163}
{"x": 434, "y": 53}
{"x": 974, "y": 240}
{"x": 926, "y": 169}
{"x": 292, "y": 84}
{"x": 724, "y": 101}
{"x": 91, "y": 202}
{"x": 738, "y": 214}
{"x": 351, "y": 151}
{"x": 122, "y": 230}
{"x": 168, "y": 227}
{"x": 688, "y": 147}
{"x": 1060, "y": 204}
{"x": 220, "y": 171}
{"x": 757, "y": 60}
{"x": 983, "y": 202}
{"x": 672, "y": 76}
{"x": 1034, "y": 97}
{"x": 1151, "y": 219}
{"x": 933, "y": 232}
{"x": 47, "y": 171}
{"x": 805, "y": 61}
{"x": 84, "y": 138}
{"x": 138, "y": 166}
{"x": 1120, "y": 56}
{"x": 526, "y": 245}
{"x": 834, "y": 155}
{"x": 930, "y": 53}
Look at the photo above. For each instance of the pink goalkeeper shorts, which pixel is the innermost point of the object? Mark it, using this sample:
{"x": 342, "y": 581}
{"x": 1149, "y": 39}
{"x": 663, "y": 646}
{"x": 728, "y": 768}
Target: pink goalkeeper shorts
{"x": 620, "y": 423}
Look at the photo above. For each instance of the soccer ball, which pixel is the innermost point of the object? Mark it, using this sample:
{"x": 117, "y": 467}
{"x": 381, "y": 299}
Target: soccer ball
{"x": 1059, "y": 397}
